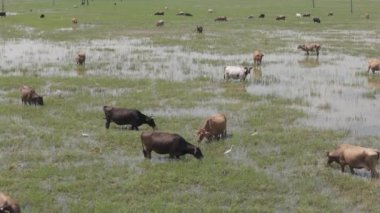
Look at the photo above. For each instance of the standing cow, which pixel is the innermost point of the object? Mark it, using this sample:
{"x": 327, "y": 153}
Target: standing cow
{"x": 236, "y": 72}
{"x": 8, "y": 205}
{"x": 167, "y": 143}
{"x": 122, "y": 116}
{"x": 257, "y": 57}
{"x": 355, "y": 157}
{"x": 373, "y": 65}
{"x": 214, "y": 126}
{"x": 310, "y": 48}
{"x": 80, "y": 58}
{"x": 29, "y": 96}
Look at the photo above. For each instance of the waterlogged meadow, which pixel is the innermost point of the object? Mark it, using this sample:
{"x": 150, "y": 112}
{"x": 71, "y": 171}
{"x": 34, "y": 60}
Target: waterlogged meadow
{"x": 280, "y": 121}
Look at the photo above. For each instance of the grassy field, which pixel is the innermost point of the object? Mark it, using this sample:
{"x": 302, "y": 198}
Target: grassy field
{"x": 48, "y": 166}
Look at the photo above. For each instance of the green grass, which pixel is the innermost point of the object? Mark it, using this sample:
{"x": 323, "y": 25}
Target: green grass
{"x": 48, "y": 166}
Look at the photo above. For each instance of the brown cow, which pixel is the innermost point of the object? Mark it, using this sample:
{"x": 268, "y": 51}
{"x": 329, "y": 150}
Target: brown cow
{"x": 355, "y": 157}
{"x": 8, "y": 205}
{"x": 213, "y": 127}
{"x": 29, "y": 96}
{"x": 167, "y": 143}
{"x": 281, "y": 17}
{"x": 74, "y": 20}
{"x": 221, "y": 18}
{"x": 80, "y": 58}
{"x": 257, "y": 57}
{"x": 310, "y": 48}
{"x": 373, "y": 65}
{"x": 160, "y": 23}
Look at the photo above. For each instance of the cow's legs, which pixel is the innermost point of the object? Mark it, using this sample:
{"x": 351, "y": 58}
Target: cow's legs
{"x": 108, "y": 124}
{"x": 342, "y": 167}
{"x": 352, "y": 170}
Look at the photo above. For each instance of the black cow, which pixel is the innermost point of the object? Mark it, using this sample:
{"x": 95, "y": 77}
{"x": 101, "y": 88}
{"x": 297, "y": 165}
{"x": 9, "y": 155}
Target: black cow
{"x": 122, "y": 116}
{"x": 3, "y": 14}
{"x": 262, "y": 15}
{"x": 316, "y": 20}
{"x": 199, "y": 29}
{"x": 42, "y": 16}
{"x": 167, "y": 143}
{"x": 159, "y": 13}
{"x": 188, "y": 14}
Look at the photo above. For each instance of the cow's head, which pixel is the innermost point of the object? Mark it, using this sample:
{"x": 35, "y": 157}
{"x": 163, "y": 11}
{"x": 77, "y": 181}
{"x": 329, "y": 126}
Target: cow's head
{"x": 150, "y": 122}
{"x": 332, "y": 158}
{"x": 197, "y": 153}
{"x": 301, "y": 46}
{"x": 39, "y": 100}
{"x": 247, "y": 70}
{"x": 202, "y": 133}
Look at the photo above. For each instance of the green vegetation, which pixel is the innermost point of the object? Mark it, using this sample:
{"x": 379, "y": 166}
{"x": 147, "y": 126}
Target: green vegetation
{"x": 49, "y": 166}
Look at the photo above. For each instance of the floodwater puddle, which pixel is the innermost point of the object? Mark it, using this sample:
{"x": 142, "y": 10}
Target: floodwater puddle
{"x": 338, "y": 91}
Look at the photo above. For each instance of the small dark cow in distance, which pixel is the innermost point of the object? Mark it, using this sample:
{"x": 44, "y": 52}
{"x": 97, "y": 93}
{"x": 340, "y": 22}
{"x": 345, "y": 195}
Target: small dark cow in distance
{"x": 8, "y": 205}
{"x": 257, "y": 57}
{"x": 29, "y": 96}
{"x": 281, "y": 18}
{"x": 356, "y": 157}
{"x": 3, "y": 14}
{"x": 80, "y": 58}
{"x": 306, "y": 14}
{"x": 199, "y": 29}
{"x": 42, "y": 16}
{"x": 159, "y": 13}
{"x": 373, "y": 65}
{"x": 213, "y": 127}
{"x": 262, "y": 15}
{"x": 330, "y": 14}
{"x": 236, "y": 72}
{"x": 316, "y": 20}
{"x": 167, "y": 143}
{"x": 310, "y": 48}
{"x": 188, "y": 14}
{"x": 221, "y": 18}
{"x": 122, "y": 116}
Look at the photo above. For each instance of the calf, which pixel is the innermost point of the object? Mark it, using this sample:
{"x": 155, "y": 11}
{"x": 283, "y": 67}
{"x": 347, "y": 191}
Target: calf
{"x": 310, "y": 48}
{"x": 122, "y": 116}
{"x": 29, "y": 96}
{"x": 236, "y": 72}
{"x": 167, "y": 143}
{"x": 257, "y": 57}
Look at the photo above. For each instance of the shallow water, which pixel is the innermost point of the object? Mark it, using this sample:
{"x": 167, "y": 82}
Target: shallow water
{"x": 339, "y": 93}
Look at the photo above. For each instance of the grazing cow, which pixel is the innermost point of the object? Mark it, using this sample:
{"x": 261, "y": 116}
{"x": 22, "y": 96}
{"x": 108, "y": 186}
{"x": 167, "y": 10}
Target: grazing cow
{"x": 280, "y": 18}
{"x": 316, "y": 20}
{"x": 310, "y": 48}
{"x": 29, "y": 96}
{"x": 257, "y": 57}
{"x": 8, "y": 205}
{"x": 355, "y": 157}
{"x": 199, "y": 29}
{"x": 298, "y": 15}
{"x": 251, "y": 17}
{"x": 3, "y": 14}
{"x": 212, "y": 127}
{"x": 306, "y": 15}
{"x": 180, "y": 13}
{"x": 262, "y": 15}
{"x": 160, "y": 23}
{"x": 159, "y": 13}
{"x": 74, "y": 20}
{"x": 221, "y": 18}
{"x": 167, "y": 143}
{"x": 210, "y": 10}
{"x": 373, "y": 65}
{"x": 330, "y": 14}
{"x": 80, "y": 58}
{"x": 42, "y": 16}
{"x": 188, "y": 14}
{"x": 236, "y": 72}
{"x": 122, "y": 116}
{"x": 366, "y": 15}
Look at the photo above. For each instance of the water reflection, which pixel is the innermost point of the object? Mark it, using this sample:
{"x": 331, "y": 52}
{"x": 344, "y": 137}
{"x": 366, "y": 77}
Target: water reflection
{"x": 373, "y": 81}
{"x": 309, "y": 62}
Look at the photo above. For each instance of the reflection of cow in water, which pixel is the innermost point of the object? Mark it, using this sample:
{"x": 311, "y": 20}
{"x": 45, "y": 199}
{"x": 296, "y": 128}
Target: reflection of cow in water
{"x": 309, "y": 62}
{"x": 373, "y": 82}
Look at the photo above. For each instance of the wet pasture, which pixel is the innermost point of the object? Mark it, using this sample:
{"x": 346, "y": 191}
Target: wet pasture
{"x": 335, "y": 88}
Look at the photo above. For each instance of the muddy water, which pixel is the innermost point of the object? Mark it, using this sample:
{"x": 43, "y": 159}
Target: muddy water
{"x": 339, "y": 93}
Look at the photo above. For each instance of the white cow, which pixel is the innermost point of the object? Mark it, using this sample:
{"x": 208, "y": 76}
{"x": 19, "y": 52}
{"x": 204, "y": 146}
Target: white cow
{"x": 236, "y": 72}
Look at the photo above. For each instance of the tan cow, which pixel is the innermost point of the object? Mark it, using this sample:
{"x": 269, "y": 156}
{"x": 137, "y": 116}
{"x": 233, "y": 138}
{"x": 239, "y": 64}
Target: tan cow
{"x": 310, "y": 48}
{"x": 160, "y": 23}
{"x": 8, "y": 205}
{"x": 355, "y": 157}
{"x": 257, "y": 57}
{"x": 29, "y": 96}
{"x": 80, "y": 58}
{"x": 373, "y": 65}
{"x": 74, "y": 20}
{"x": 213, "y": 127}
